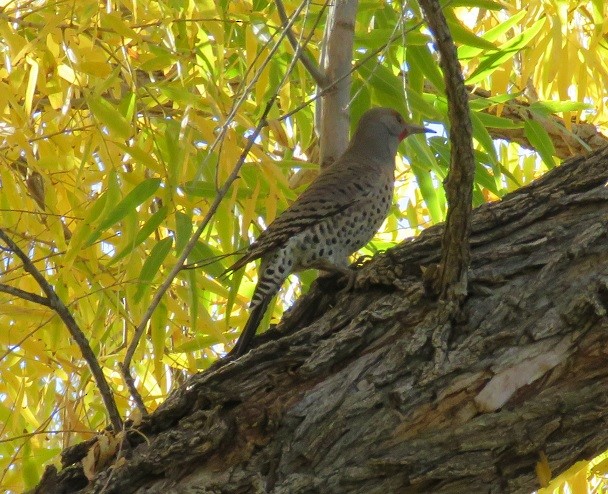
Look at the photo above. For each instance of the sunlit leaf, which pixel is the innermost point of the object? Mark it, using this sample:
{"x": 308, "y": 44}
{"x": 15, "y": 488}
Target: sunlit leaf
{"x": 151, "y": 266}
{"x": 133, "y": 199}
{"x": 539, "y": 138}
{"x": 110, "y": 117}
{"x": 507, "y": 51}
{"x": 145, "y": 231}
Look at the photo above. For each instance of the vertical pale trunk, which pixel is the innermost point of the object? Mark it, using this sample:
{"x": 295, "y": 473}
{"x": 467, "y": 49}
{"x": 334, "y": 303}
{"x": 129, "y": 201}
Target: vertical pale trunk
{"x": 333, "y": 115}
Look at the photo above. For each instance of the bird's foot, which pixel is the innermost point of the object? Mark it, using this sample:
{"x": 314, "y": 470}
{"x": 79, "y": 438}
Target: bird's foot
{"x": 338, "y": 279}
{"x": 350, "y": 277}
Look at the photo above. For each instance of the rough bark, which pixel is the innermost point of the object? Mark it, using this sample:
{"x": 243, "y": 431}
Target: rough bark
{"x": 455, "y": 250}
{"x": 368, "y": 392}
{"x": 569, "y": 139}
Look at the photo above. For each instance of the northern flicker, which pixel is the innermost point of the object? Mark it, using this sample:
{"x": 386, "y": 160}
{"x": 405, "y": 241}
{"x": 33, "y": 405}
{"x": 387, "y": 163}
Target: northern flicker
{"x": 335, "y": 216}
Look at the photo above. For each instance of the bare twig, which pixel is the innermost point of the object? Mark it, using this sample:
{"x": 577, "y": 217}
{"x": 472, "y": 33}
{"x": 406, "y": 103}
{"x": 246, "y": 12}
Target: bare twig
{"x": 30, "y": 297}
{"x": 455, "y": 256}
{"x": 221, "y": 193}
{"x": 139, "y": 331}
{"x": 354, "y": 68}
{"x": 54, "y": 302}
{"x": 313, "y": 69}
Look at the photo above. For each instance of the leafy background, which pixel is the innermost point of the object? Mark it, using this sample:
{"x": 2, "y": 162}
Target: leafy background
{"x": 121, "y": 120}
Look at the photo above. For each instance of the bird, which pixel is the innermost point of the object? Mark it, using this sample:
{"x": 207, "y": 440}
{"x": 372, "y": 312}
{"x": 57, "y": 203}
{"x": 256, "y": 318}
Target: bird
{"x": 339, "y": 212}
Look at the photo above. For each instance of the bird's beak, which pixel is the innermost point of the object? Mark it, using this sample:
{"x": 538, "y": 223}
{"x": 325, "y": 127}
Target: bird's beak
{"x": 414, "y": 129}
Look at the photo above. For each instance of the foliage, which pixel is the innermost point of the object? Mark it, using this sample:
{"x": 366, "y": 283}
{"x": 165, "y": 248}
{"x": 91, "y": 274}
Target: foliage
{"x": 121, "y": 120}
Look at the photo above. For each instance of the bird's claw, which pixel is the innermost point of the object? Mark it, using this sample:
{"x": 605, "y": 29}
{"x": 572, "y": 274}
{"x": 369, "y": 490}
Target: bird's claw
{"x": 350, "y": 276}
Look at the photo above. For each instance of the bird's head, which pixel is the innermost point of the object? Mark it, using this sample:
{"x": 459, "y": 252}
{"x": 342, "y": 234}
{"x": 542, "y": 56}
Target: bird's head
{"x": 380, "y": 130}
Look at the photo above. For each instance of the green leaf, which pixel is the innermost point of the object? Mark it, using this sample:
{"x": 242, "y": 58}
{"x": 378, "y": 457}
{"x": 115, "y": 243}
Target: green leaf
{"x": 127, "y": 105}
{"x": 115, "y": 22}
{"x": 110, "y": 117}
{"x": 424, "y": 105}
{"x": 144, "y": 232}
{"x": 383, "y": 82}
{"x": 540, "y": 140}
{"x": 429, "y": 192}
{"x": 158, "y": 332}
{"x": 420, "y": 58}
{"x": 493, "y": 61}
{"x": 143, "y": 157}
{"x": 494, "y": 122}
{"x": 482, "y": 4}
{"x": 138, "y": 195}
{"x": 480, "y": 133}
{"x": 151, "y": 266}
{"x": 193, "y": 306}
{"x": 463, "y": 35}
{"x": 378, "y": 37}
{"x": 422, "y": 162}
{"x": 186, "y": 97}
{"x": 200, "y": 188}
{"x": 183, "y": 229}
{"x": 207, "y": 258}
{"x": 466, "y": 52}
{"x": 198, "y": 342}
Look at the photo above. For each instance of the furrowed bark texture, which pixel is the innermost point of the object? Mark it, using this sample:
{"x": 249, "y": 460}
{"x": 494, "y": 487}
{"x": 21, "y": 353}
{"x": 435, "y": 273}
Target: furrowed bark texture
{"x": 374, "y": 396}
{"x": 455, "y": 257}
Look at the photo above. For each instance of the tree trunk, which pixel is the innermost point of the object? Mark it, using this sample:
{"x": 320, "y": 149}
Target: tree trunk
{"x": 366, "y": 392}
{"x": 333, "y": 118}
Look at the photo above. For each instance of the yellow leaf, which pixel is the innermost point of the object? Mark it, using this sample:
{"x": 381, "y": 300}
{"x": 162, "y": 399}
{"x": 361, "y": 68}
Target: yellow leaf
{"x": 97, "y": 69}
{"x": 31, "y": 84}
{"x": 279, "y": 133}
{"x": 543, "y": 470}
{"x": 116, "y": 23}
{"x": 66, "y": 72}
{"x": 249, "y": 209}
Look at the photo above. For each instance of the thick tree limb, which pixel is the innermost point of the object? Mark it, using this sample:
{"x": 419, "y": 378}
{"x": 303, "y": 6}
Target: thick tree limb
{"x": 352, "y": 399}
{"x": 455, "y": 253}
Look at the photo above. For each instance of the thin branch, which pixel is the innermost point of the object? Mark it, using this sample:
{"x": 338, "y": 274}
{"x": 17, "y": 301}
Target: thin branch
{"x": 314, "y": 70}
{"x": 243, "y": 97}
{"x": 29, "y": 296}
{"x": 354, "y": 68}
{"x": 221, "y": 193}
{"x": 55, "y": 303}
{"x": 216, "y": 202}
{"x": 455, "y": 249}
{"x": 180, "y": 262}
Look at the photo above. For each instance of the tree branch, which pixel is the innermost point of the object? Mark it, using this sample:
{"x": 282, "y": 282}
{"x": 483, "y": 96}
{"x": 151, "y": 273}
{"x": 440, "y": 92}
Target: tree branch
{"x": 212, "y": 209}
{"x": 351, "y": 401}
{"x": 55, "y": 303}
{"x": 30, "y": 297}
{"x": 455, "y": 259}
{"x": 313, "y": 69}
{"x": 192, "y": 242}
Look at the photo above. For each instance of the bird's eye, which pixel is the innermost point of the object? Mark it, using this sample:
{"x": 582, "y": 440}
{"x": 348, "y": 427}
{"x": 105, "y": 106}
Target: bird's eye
{"x": 399, "y": 118}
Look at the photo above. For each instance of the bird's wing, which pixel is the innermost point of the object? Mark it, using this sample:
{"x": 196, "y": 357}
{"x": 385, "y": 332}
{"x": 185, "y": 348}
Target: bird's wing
{"x": 336, "y": 189}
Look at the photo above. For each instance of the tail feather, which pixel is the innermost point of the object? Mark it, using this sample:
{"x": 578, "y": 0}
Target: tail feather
{"x": 243, "y": 344}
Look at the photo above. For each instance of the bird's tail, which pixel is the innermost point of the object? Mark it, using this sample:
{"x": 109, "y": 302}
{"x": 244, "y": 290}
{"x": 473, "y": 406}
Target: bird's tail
{"x": 243, "y": 344}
